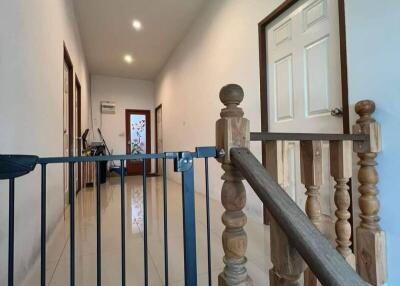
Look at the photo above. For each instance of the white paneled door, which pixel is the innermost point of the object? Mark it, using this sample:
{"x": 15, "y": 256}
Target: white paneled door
{"x": 304, "y": 83}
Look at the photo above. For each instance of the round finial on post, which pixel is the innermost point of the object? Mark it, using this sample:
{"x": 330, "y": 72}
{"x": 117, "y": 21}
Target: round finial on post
{"x": 364, "y": 109}
{"x": 231, "y": 96}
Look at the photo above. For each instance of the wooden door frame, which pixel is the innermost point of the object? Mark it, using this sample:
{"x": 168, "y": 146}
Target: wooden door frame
{"x": 78, "y": 88}
{"x": 156, "y": 133}
{"x": 147, "y": 113}
{"x": 68, "y": 61}
{"x": 263, "y": 62}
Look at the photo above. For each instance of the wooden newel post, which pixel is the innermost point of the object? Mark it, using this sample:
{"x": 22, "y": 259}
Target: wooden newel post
{"x": 371, "y": 252}
{"x": 232, "y": 130}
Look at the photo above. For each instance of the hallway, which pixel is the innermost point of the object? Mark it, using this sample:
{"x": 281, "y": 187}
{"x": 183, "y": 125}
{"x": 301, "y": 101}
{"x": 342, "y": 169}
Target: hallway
{"x": 58, "y": 247}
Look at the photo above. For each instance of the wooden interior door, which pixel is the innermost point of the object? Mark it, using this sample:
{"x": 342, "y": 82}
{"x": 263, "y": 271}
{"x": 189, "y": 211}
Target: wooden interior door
{"x": 138, "y": 140}
{"x": 304, "y": 84}
{"x": 159, "y": 139}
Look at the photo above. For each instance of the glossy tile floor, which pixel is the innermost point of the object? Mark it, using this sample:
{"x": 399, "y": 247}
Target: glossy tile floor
{"x": 57, "y": 270}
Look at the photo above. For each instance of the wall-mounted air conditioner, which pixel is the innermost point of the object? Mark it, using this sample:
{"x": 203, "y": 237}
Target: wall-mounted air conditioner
{"x": 107, "y": 107}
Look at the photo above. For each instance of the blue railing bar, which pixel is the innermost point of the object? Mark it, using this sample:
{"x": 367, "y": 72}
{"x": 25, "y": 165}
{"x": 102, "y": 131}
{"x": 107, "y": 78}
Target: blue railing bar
{"x": 208, "y": 221}
{"x": 98, "y": 223}
{"x": 146, "y": 262}
{"x": 184, "y": 164}
{"x": 52, "y": 160}
{"x": 72, "y": 223}
{"x": 189, "y": 228}
{"x": 12, "y": 166}
{"x": 165, "y": 196}
{"x": 170, "y": 155}
{"x": 123, "y": 259}
{"x": 43, "y": 227}
{"x": 206, "y": 152}
{"x": 11, "y": 200}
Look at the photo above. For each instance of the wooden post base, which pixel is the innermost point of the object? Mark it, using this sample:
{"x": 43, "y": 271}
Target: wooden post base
{"x": 371, "y": 255}
{"x": 276, "y": 280}
{"x": 223, "y": 280}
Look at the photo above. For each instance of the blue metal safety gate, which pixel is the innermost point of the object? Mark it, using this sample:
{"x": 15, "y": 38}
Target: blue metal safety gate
{"x": 13, "y": 166}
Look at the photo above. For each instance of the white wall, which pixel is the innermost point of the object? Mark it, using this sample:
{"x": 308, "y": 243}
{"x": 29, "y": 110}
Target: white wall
{"x": 221, "y": 47}
{"x": 373, "y": 47}
{"x": 31, "y": 112}
{"x": 127, "y": 94}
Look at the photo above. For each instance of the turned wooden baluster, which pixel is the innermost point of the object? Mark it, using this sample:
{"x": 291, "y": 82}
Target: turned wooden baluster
{"x": 341, "y": 170}
{"x": 311, "y": 177}
{"x": 370, "y": 254}
{"x": 232, "y": 130}
{"x": 287, "y": 262}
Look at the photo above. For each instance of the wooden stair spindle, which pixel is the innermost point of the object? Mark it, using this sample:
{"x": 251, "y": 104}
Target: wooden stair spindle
{"x": 232, "y": 130}
{"x": 287, "y": 262}
{"x": 311, "y": 177}
{"x": 370, "y": 254}
{"x": 341, "y": 170}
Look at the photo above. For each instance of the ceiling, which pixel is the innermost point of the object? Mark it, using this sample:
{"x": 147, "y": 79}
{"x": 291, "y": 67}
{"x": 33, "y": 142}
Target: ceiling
{"x": 107, "y": 33}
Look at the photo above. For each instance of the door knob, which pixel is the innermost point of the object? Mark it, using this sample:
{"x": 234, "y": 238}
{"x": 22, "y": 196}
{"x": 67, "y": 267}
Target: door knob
{"x": 337, "y": 112}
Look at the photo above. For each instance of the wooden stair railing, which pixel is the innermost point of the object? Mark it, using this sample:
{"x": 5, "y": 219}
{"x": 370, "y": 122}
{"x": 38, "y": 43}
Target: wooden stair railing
{"x": 325, "y": 262}
{"x": 294, "y": 237}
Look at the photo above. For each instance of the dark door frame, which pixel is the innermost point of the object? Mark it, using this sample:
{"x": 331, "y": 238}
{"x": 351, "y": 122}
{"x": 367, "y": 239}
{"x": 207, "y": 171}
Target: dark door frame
{"x": 156, "y": 133}
{"x": 147, "y": 113}
{"x": 78, "y": 89}
{"x": 67, "y": 60}
{"x": 264, "y": 62}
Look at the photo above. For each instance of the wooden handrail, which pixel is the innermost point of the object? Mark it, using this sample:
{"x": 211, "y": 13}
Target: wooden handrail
{"x": 272, "y": 136}
{"x": 325, "y": 262}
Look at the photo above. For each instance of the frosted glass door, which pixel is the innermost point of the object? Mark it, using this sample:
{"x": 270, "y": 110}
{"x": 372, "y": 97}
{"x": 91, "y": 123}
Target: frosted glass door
{"x": 138, "y": 133}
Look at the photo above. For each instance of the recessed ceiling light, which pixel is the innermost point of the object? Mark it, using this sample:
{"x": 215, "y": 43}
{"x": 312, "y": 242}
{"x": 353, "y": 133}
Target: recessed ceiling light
{"x": 137, "y": 25}
{"x": 128, "y": 59}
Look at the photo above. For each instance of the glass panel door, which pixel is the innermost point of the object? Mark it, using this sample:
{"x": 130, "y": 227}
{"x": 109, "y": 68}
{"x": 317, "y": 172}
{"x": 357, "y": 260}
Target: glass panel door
{"x": 137, "y": 139}
{"x": 138, "y": 133}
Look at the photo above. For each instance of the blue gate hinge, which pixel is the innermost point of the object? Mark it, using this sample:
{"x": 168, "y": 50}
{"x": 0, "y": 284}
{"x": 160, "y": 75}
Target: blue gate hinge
{"x": 183, "y": 162}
